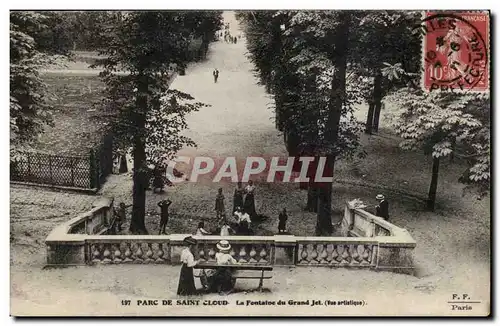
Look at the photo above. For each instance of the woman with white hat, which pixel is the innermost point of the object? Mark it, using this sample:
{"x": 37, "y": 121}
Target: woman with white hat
{"x": 223, "y": 277}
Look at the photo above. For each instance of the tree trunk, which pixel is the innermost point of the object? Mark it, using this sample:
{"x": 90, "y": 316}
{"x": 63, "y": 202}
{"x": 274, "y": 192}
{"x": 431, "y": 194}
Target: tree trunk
{"x": 137, "y": 224}
{"x": 377, "y": 98}
{"x": 431, "y": 200}
{"x": 312, "y": 198}
{"x": 369, "y": 118}
{"x": 337, "y": 99}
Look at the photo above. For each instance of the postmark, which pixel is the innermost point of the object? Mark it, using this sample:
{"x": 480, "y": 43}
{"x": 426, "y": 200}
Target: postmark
{"x": 455, "y": 51}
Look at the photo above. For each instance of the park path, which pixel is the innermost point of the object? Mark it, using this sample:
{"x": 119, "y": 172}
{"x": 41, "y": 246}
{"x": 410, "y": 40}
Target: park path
{"x": 238, "y": 121}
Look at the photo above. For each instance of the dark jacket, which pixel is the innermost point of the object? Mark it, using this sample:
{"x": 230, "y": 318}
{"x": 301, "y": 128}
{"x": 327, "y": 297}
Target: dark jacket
{"x": 383, "y": 209}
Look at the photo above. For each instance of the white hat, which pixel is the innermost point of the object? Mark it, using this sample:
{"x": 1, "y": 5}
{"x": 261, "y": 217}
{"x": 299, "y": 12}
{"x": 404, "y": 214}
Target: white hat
{"x": 223, "y": 245}
{"x": 380, "y": 197}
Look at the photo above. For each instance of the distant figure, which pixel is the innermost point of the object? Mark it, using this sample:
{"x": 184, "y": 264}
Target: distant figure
{"x": 235, "y": 40}
{"x": 216, "y": 75}
{"x": 239, "y": 192}
{"x": 382, "y": 208}
{"x": 249, "y": 203}
{"x": 121, "y": 215}
{"x": 164, "y": 204}
{"x": 201, "y": 229}
{"x": 283, "y": 217}
{"x": 219, "y": 204}
{"x": 123, "y": 163}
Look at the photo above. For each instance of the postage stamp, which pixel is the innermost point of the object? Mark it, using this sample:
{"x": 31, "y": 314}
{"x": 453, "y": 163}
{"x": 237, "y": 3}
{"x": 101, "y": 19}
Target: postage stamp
{"x": 456, "y": 51}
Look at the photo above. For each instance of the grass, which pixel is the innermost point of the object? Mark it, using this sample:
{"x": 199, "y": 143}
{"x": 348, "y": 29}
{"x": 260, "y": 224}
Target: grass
{"x": 77, "y": 125}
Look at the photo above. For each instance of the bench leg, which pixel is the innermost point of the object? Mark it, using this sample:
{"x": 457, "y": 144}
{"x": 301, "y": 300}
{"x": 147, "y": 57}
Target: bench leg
{"x": 261, "y": 281}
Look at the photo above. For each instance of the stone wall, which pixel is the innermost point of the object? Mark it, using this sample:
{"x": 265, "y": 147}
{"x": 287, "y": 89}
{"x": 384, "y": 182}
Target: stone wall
{"x": 372, "y": 243}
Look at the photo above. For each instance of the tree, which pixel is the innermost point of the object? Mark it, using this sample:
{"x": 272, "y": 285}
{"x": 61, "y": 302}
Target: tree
{"x": 378, "y": 37}
{"x": 149, "y": 116}
{"x": 443, "y": 123}
{"x": 29, "y": 106}
{"x": 308, "y": 81}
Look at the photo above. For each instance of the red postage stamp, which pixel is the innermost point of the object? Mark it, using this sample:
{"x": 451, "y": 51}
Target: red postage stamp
{"x": 456, "y": 51}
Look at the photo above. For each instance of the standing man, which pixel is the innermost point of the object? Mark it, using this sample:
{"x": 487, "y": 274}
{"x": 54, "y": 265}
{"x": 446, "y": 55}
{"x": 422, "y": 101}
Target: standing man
{"x": 216, "y": 75}
{"x": 382, "y": 208}
{"x": 164, "y": 204}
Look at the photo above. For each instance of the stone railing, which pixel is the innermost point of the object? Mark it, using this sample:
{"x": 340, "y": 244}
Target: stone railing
{"x": 371, "y": 243}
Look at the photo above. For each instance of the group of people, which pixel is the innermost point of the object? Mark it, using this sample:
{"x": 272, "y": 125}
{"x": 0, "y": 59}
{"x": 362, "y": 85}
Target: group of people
{"x": 220, "y": 279}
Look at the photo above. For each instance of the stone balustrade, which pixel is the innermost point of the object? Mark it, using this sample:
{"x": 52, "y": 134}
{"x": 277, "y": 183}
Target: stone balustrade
{"x": 370, "y": 242}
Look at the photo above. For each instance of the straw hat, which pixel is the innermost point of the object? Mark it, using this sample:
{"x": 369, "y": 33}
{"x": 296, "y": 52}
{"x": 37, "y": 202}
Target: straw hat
{"x": 189, "y": 241}
{"x": 223, "y": 245}
{"x": 380, "y": 197}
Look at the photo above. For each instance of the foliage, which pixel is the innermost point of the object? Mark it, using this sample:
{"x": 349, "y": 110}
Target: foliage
{"x": 29, "y": 107}
{"x": 146, "y": 45}
{"x": 444, "y": 124}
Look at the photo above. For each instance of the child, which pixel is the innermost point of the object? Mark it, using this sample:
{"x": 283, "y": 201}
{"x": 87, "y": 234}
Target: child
{"x": 120, "y": 215}
{"x": 219, "y": 204}
{"x": 201, "y": 229}
{"x": 164, "y": 204}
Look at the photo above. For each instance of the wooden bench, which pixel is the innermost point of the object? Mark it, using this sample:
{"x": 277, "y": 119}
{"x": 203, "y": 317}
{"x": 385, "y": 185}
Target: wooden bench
{"x": 246, "y": 267}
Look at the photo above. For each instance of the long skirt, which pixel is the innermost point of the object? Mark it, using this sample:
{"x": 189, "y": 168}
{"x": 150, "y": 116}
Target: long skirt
{"x": 186, "y": 281}
{"x": 249, "y": 205}
{"x": 237, "y": 201}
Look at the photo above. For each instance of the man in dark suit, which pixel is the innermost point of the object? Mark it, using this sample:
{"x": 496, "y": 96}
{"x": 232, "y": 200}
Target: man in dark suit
{"x": 382, "y": 208}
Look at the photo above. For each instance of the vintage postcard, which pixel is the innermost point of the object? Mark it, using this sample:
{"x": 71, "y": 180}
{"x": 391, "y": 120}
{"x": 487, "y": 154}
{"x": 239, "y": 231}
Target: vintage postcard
{"x": 250, "y": 163}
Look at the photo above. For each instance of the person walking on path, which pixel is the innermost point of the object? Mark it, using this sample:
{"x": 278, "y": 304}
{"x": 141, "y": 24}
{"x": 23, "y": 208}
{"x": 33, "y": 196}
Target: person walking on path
{"x": 216, "y": 75}
{"x": 249, "y": 203}
{"x": 164, "y": 205}
{"x": 238, "y": 196}
{"x": 283, "y": 217}
{"x": 219, "y": 204}
{"x": 186, "y": 278}
{"x": 382, "y": 209}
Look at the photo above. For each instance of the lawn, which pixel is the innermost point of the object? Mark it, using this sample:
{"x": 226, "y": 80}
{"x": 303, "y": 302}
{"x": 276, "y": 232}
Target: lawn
{"x": 78, "y": 126}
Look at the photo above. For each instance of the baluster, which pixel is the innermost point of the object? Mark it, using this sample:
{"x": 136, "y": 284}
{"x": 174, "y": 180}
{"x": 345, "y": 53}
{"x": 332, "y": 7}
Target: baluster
{"x": 243, "y": 255}
{"x": 117, "y": 254}
{"x": 354, "y": 254}
{"x": 366, "y": 255}
{"x": 346, "y": 257}
{"x": 201, "y": 253}
{"x": 96, "y": 254}
{"x": 304, "y": 254}
{"x": 211, "y": 254}
{"x": 335, "y": 255}
{"x": 263, "y": 255}
{"x": 149, "y": 254}
{"x": 138, "y": 254}
{"x": 159, "y": 254}
{"x": 324, "y": 254}
{"x": 106, "y": 255}
{"x": 128, "y": 253}
{"x": 252, "y": 255}
{"x": 314, "y": 254}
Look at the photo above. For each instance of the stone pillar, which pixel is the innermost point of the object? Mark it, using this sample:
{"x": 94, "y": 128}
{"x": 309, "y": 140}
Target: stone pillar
{"x": 284, "y": 250}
